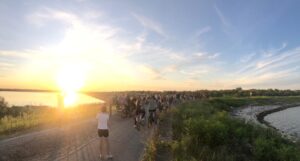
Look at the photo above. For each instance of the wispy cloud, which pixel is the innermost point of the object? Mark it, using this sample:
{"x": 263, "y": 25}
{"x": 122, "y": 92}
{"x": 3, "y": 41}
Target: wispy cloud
{"x": 272, "y": 51}
{"x": 248, "y": 58}
{"x": 6, "y": 66}
{"x": 266, "y": 78}
{"x": 214, "y": 56}
{"x": 266, "y": 58}
{"x": 13, "y": 55}
{"x": 41, "y": 17}
{"x": 278, "y": 65}
{"x": 203, "y": 30}
{"x": 150, "y": 24}
{"x": 93, "y": 44}
{"x": 160, "y": 62}
{"x": 100, "y": 46}
{"x": 195, "y": 73}
{"x": 151, "y": 72}
{"x": 196, "y": 65}
{"x": 222, "y": 17}
{"x": 201, "y": 57}
{"x": 136, "y": 60}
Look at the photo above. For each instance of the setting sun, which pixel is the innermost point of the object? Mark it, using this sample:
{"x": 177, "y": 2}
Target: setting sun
{"x": 81, "y": 78}
{"x": 69, "y": 98}
{"x": 70, "y": 79}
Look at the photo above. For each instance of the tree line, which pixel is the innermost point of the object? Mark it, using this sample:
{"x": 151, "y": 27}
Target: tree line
{"x": 15, "y": 111}
{"x": 239, "y": 92}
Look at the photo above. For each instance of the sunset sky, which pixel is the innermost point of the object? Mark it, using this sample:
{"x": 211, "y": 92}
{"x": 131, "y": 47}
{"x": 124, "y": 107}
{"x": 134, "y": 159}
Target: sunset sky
{"x": 150, "y": 45}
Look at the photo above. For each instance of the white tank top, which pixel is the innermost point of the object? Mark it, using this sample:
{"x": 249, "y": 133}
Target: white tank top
{"x": 102, "y": 119}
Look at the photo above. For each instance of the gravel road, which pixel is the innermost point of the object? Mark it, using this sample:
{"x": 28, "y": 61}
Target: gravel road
{"x": 77, "y": 142}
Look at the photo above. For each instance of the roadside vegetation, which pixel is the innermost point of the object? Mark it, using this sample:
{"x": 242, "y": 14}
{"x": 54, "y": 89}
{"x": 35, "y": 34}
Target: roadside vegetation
{"x": 18, "y": 119}
{"x": 239, "y": 92}
{"x": 204, "y": 130}
{"x": 158, "y": 146}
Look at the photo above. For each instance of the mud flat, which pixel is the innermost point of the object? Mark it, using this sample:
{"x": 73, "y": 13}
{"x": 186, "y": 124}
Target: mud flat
{"x": 250, "y": 113}
{"x": 257, "y": 114}
{"x": 260, "y": 116}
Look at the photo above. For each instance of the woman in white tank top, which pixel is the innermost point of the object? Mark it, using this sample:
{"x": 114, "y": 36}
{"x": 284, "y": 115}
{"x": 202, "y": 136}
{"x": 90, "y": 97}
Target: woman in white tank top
{"x": 103, "y": 131}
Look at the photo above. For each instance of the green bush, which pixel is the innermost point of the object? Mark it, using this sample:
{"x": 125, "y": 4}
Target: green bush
{"x": 204, "y": 130}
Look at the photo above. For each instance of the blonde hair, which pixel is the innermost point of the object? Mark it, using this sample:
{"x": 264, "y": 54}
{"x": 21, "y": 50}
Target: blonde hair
{"x": 103, "y": 108}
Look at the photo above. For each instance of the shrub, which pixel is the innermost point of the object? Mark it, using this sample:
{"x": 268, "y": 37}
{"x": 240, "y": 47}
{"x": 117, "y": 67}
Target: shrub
{"x": 204, "y": 131}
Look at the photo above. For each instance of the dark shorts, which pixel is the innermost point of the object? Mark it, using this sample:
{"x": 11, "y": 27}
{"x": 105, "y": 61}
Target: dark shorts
{"x": 102, "y": 132}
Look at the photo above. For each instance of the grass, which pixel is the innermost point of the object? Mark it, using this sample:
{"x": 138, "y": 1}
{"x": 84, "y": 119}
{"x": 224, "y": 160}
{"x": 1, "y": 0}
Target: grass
{"x": 44, "y": 117}
{"x": 151, "y": 149}
{"x": 158, "y": 146}
{"x": 204, "y": 130}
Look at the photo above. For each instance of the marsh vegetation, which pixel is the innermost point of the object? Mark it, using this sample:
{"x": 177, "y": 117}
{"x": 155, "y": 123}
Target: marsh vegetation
{"x": 204, "y": 130}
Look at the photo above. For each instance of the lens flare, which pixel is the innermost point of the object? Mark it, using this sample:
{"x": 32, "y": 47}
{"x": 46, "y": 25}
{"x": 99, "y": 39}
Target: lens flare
{"x": 70, "y": 80}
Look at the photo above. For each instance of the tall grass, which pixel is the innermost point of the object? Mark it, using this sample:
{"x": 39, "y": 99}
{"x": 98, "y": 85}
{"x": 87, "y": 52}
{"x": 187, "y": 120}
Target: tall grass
{"x": 203, "y": 130}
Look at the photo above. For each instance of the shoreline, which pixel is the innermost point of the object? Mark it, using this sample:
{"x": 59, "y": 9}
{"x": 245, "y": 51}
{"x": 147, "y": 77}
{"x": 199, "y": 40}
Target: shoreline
{"x": 261, "y": 116}
{"x": 257, "y": 114}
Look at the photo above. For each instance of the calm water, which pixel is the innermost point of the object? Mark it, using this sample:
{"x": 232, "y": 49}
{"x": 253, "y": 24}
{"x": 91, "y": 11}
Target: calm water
{"x": 37, "y": 99}
{"x": 287, "y": 120}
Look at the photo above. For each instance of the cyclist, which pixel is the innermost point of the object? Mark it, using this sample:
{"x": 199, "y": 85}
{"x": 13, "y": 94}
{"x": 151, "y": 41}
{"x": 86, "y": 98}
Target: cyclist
{"x": 152, "y": 110}
{"x": 139, "y": 113}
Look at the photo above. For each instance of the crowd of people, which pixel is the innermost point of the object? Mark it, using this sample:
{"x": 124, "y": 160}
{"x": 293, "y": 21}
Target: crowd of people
{"x": 144, "y": 108}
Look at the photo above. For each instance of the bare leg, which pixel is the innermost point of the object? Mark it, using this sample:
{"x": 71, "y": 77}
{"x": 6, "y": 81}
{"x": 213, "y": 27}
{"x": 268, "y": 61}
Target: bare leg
{"x": 108, "y": 149}
{"x": 107, "y": 146}
{"x": 101, "y": 146}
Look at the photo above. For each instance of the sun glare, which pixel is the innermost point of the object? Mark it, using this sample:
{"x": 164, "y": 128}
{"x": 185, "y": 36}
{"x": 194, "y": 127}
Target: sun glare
{"x": 70, "y": 99}
{"x": 70, "y": 80}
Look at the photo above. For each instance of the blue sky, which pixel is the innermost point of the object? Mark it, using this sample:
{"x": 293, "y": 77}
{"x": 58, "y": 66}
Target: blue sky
{"x": 151, "y": 44}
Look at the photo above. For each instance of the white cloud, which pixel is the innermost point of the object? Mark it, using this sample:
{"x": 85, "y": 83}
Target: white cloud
{"x": 108, "y": 57}
{"x": 206, "y": 56}
{"x": 150, "y": 24}
{"x": 150, "y": 72}
{"x": 41, "y": 17}
{"x": 248, "y": 58}
{"x": 265, "y": 78}
{"x": 178, "y": 57}
{"x": 280, "y": 65}
{"x": 6, "y": 66}
{"x": 169, "y": 69}
{"x": 195, "y": 72}
{"x": 202, "y": 31}
{"x": 214, "y": 56}
{"x": 15, "y": 54}
{"x": 222, "y": 17}
{"x": 85, "y": 43}
{"x": 271, "y": 52}
{"x": 114, "y": 60}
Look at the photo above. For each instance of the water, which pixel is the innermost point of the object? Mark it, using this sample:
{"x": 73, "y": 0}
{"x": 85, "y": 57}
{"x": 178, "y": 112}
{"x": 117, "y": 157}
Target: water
{"x": 42, "y": 99}
{"x": 249, "y": 113}
{"x": 287, "y": 121}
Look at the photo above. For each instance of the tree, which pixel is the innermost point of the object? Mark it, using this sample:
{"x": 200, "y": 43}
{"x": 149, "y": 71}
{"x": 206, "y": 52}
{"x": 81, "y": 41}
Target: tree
{"x": 3, "y": 107}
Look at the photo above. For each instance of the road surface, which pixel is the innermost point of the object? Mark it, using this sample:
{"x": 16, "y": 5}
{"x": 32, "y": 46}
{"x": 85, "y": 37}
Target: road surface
{"x": 77, "y": 142}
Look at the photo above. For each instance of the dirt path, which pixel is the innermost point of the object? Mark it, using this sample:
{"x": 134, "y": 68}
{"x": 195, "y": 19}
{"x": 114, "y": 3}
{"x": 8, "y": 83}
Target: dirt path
{"x": 78, "y": 142}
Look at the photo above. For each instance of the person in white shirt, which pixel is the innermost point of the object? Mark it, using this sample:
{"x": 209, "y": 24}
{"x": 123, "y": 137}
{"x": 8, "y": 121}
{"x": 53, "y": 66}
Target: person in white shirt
{"x": 103, "y": 130}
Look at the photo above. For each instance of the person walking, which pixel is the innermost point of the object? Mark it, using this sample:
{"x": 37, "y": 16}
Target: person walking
{"x": 103, "y": 131}
{"x": 145, "y": 107}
